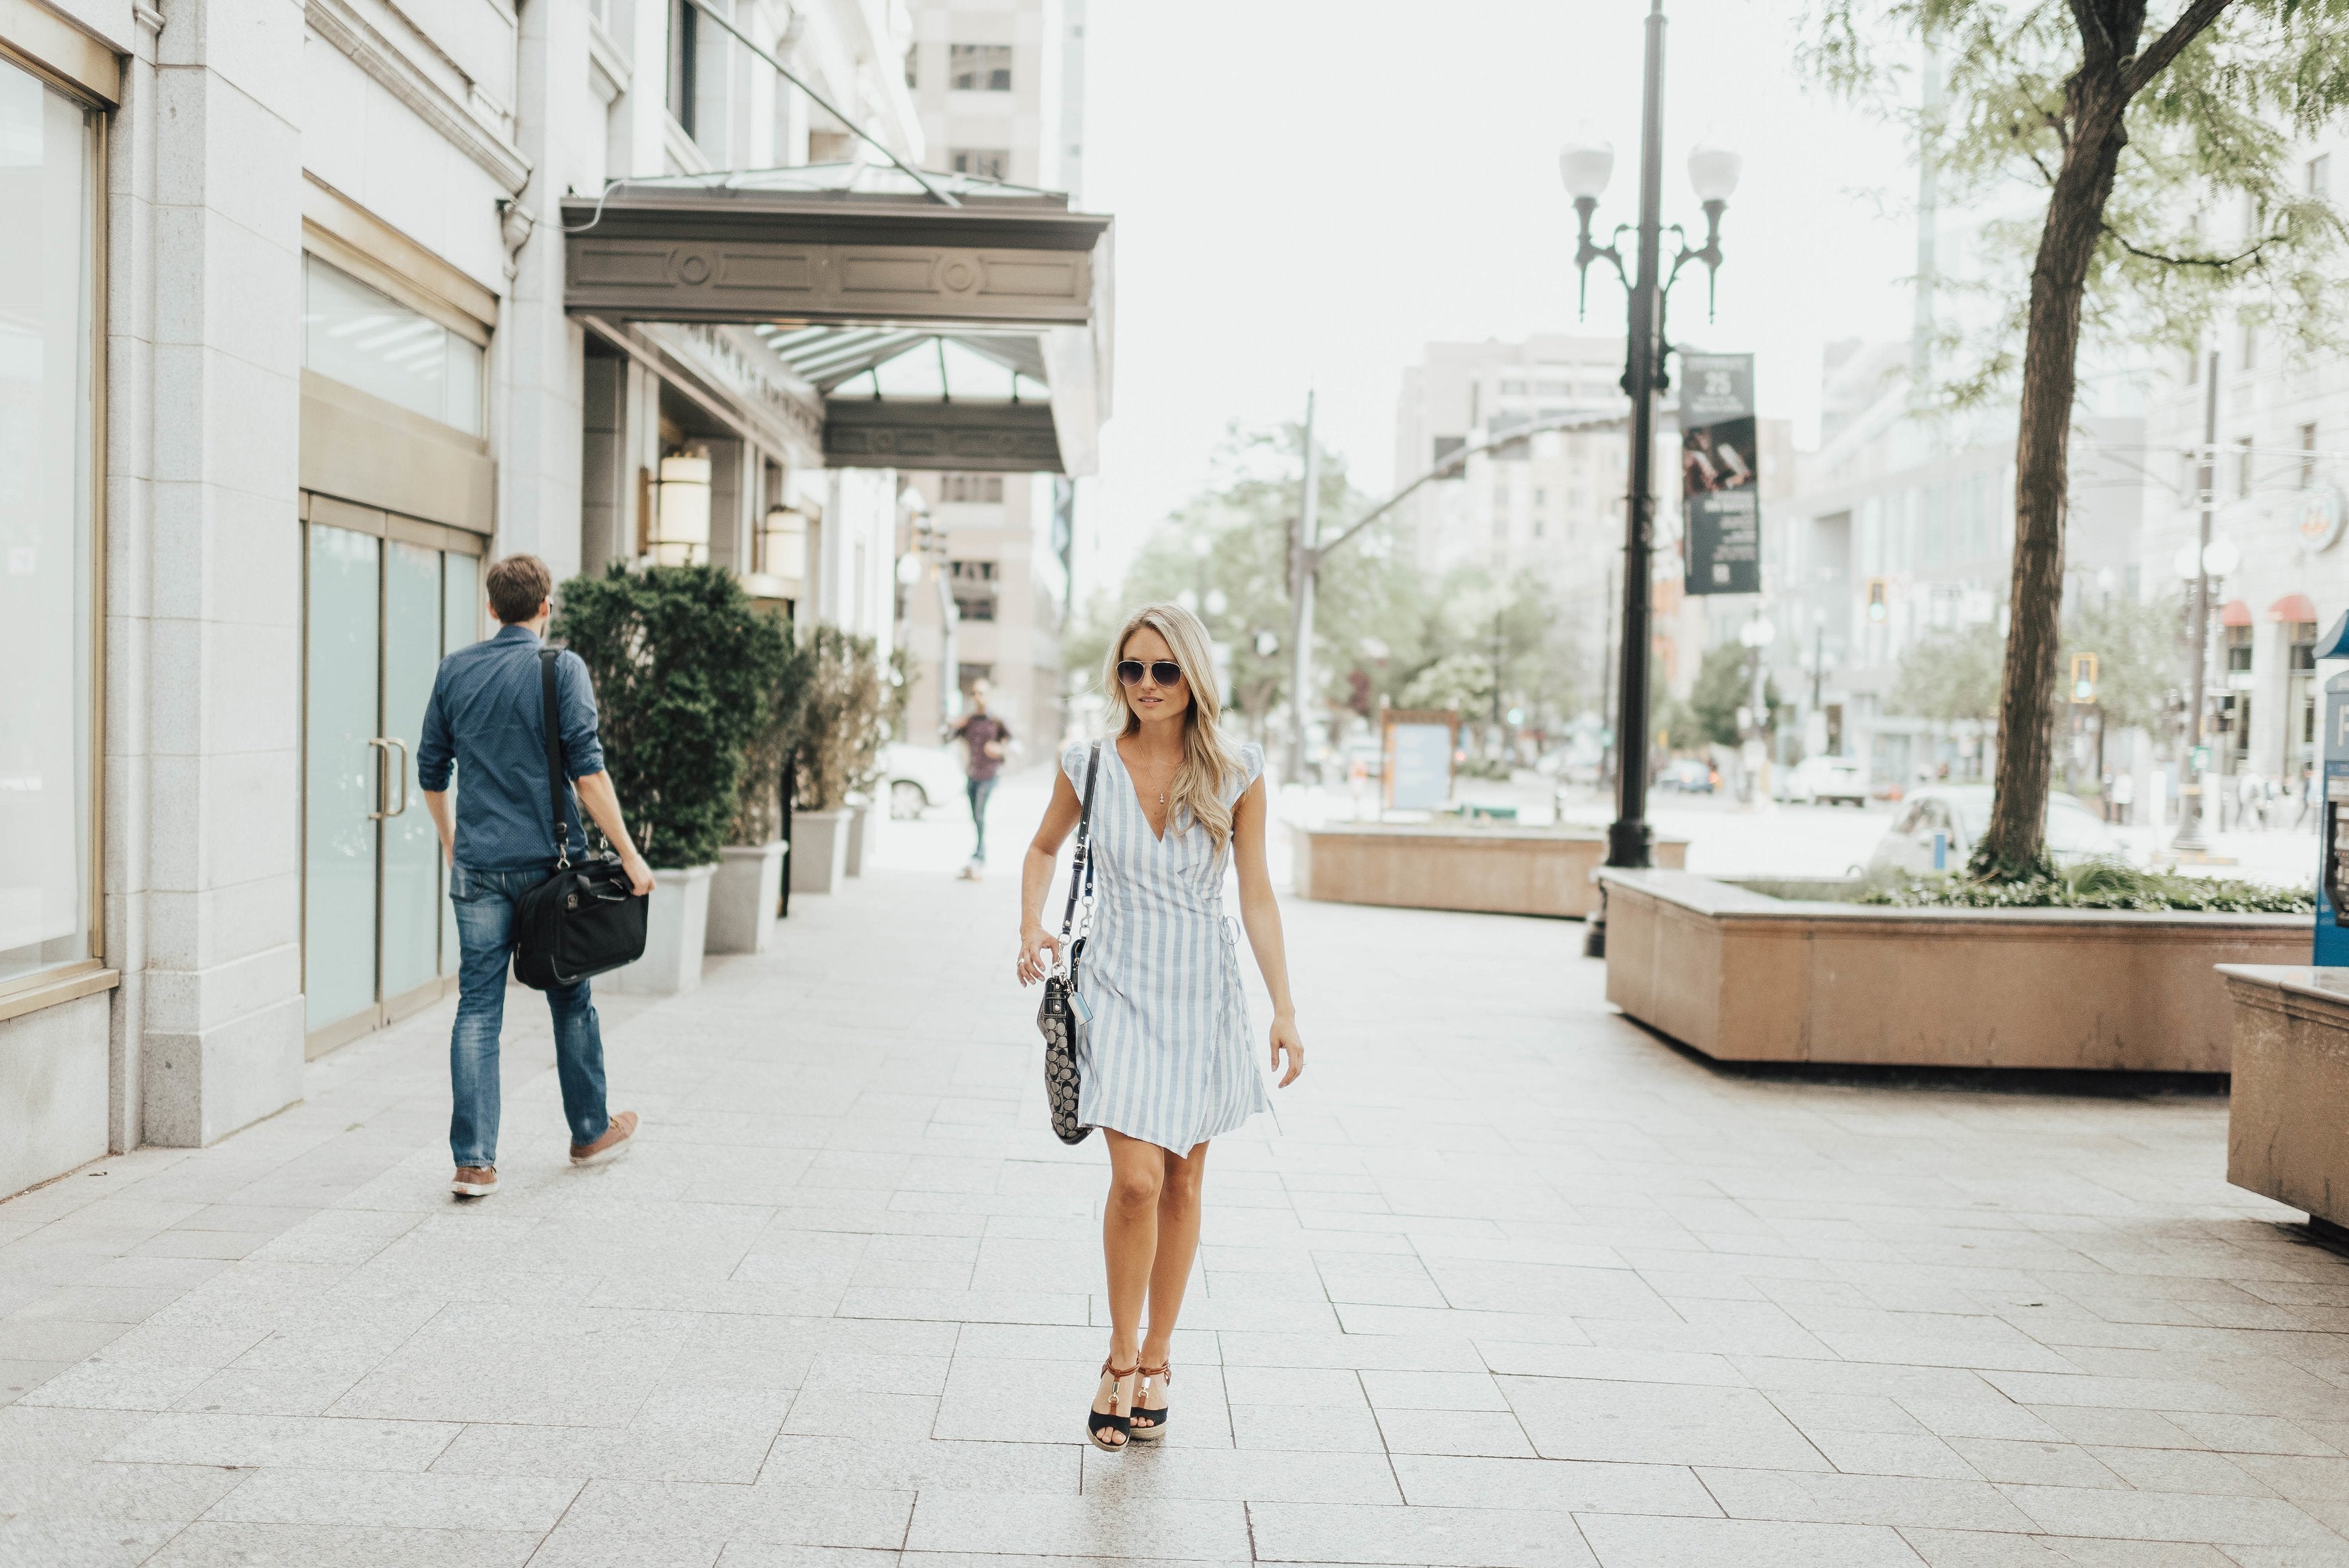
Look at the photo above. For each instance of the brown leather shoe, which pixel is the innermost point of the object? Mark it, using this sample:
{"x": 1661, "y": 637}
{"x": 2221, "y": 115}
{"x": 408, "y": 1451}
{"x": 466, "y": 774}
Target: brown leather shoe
{"x": 613, "y": 1144}
{"x": 473, "y": 1181}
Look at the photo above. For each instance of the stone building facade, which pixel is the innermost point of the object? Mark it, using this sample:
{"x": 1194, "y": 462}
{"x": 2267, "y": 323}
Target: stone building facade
{"x": 295, "y": 341}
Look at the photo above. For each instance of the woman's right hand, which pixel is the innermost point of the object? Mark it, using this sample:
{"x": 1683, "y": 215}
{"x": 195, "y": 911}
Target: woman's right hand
{"x": 1039, "y": 953}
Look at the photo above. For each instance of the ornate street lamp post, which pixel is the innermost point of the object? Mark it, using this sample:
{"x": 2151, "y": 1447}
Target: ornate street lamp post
{"x": 1585, "y": 165}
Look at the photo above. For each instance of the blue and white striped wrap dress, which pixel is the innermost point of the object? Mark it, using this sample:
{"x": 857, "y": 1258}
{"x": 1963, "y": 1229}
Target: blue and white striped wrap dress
{"x": 1168, "y": 1057}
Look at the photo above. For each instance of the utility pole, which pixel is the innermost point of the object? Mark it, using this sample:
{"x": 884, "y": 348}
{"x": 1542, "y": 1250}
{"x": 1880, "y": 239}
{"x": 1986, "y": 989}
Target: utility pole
{"x": 2191, "y": 839}
{"x": 1304, "y": 566}
{"x": 1818, "y": 658}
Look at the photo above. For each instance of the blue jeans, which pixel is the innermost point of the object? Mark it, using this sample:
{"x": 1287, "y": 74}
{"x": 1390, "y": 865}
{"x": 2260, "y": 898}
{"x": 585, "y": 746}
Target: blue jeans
{"x": 978, "y": 790}
{"x": 485, "y": 903}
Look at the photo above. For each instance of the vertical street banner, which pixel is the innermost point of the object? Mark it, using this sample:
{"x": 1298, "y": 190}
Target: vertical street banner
{"x": 1721, "y": 511}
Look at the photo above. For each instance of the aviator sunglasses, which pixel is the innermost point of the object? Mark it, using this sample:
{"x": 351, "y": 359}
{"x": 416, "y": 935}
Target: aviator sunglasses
{"x": 1165, "y": 672}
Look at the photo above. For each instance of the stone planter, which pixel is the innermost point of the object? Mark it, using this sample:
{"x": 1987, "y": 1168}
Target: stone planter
{"x": 675, "y": 929}
{"x": 1493, "y": 870}
{"x": 819, "y": 850}
{"x": 742, "y": 897}
{"x": 2287, "y": 1109}
{"x": 860, "y": 825}
{"x": 1745, "y": 976}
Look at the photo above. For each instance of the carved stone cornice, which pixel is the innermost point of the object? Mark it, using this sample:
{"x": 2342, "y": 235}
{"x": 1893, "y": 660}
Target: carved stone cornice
{"x": 339, "y": 23}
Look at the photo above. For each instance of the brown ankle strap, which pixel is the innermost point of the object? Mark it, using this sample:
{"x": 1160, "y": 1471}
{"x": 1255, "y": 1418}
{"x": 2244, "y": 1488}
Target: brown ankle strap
{"x": 1120, "y": 1374}
{"x": 1166, "y": 1371}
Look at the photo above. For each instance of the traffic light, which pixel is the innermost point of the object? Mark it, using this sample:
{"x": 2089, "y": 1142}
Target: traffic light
{"x": 2084, "y": 678}
{"x": 1878, "y": 607}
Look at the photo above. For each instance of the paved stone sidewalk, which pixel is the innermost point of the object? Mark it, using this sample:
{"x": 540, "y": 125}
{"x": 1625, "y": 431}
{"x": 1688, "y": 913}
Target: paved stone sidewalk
{"x": 1507, "y": 1282}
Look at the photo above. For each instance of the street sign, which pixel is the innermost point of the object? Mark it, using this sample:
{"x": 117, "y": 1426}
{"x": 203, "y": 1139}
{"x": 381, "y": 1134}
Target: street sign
{"x": 2320, "y": 515}
{"x": 1417, "y": 744}
{"x": 1720, "y": 467}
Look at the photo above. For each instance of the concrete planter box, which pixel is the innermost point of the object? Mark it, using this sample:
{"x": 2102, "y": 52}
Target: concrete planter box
{"x": 1491, "y": 870}
{"x": 819, "y": 850}
{"x": 675, "y": 929}
{"x": 859, "y": 827}
{"x": 2288, "y": 1111}
{"x": 1743, "y": 976}
{"x": 743, "y": 896}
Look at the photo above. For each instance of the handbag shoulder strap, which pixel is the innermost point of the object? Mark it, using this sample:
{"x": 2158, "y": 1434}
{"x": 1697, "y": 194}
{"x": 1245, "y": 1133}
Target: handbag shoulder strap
{"x": 1080, "y": 870}
{"x": 546, "y": 658}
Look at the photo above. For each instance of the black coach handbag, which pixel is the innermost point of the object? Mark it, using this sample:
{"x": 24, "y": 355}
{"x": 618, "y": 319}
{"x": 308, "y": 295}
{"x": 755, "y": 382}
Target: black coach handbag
{"x": 585, "y": 918}
{"x": 1064, "y": 1014}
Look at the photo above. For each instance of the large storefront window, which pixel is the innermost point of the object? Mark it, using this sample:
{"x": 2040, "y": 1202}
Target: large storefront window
{"x": 48, "y": 529}
{"x": 362, "y": 339}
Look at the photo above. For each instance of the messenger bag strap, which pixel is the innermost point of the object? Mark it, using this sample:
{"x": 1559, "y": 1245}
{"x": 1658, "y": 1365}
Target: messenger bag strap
{"x": 1080, "y": 870}
{"x": 546, "y": 658}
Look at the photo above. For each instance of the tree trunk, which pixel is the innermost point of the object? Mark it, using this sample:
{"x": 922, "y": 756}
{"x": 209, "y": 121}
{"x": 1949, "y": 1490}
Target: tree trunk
{"x": 2014, "y": 846}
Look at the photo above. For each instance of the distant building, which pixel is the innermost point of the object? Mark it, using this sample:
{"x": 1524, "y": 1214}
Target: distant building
{"x": 999, "y": 92}
{"x": 2279, "y": 501}
{"x": 1902, "y": 526}
{"x": 1551, "y": 502}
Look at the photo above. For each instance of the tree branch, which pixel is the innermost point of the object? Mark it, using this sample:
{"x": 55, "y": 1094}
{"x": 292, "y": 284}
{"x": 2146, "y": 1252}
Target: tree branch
{"x": 2190, "y": 24}
{"x": 2219, "y": 262}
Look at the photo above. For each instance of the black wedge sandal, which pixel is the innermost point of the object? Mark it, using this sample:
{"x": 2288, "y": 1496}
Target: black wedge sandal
{"x": 1148, "y": 1423}
{"x": 1097, "y": 1422}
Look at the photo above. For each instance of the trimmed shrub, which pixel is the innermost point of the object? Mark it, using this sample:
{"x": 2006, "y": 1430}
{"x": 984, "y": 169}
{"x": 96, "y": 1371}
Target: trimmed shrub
{"x": 2095, "y": 885}
{"x": 758, "y": 810}
{"x": 844, "y": 726}
{"x": 683, "y": 665}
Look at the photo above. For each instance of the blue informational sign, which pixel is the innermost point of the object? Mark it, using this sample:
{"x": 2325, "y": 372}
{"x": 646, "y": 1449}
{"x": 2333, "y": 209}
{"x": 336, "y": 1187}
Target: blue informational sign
{"x": 2332, "y": 870}
{"x": 1421, "y": 758}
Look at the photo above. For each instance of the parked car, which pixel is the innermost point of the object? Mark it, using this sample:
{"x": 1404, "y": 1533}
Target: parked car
{"x": 1958, "y": 814}
{"x": 920, "y": 777}
{"x": 1689, "y": 776}
{"x": 1825, "y": 781}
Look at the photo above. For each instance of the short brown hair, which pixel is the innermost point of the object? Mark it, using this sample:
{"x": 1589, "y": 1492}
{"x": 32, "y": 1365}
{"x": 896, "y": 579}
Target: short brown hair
{"x": 518, "y": 585}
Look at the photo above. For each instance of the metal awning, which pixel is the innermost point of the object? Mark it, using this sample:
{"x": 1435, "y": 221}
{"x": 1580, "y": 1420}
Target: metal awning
{"x": 846, "y": 268}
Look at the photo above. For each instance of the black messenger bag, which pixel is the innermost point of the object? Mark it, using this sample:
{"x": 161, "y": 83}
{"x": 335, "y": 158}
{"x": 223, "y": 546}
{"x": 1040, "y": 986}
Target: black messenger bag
{"x": 585, "y": 918}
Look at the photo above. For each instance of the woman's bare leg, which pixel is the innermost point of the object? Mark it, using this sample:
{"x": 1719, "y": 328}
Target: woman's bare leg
{"x": 1130, "y": 1229}
{"x": 1178, "y": 1248}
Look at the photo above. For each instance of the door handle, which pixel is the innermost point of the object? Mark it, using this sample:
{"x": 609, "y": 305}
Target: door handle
{"x": 382, "y": 785}
{"x": 402, "y": 766}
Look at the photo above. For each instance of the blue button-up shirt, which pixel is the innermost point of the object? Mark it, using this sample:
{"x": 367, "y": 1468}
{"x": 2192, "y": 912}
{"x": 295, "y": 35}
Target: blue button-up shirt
{"x": 487, "y": 719}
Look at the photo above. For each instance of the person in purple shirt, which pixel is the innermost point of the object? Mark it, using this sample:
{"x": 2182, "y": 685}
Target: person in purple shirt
{"x": 984, "y": 736}
{"x": 486, "y": 724}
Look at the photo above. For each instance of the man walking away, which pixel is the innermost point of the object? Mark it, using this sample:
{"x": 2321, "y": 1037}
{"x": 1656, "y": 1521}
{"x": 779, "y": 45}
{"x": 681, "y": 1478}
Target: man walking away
{"x": 983, "y": 736}
{"x": 488, "y": 718}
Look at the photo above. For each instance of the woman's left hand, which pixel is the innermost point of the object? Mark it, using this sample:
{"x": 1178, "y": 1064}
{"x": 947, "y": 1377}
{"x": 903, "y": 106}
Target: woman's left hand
{"x": 1285, "y": 1038}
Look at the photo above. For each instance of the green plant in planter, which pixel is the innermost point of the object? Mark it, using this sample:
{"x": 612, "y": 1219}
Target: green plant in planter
{"x": 759, "y": 809}
{"x": 2092, "y": 885}
{"x": 843, "y": 727}
{"x": 682, "y": 663}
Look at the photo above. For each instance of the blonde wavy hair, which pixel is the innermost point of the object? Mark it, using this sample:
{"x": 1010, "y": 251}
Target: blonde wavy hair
{"x": 1208, "y": 761}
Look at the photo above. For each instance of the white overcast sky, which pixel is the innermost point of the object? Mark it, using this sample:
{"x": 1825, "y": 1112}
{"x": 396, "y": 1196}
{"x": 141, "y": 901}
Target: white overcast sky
{"x": 1309, "y": 192}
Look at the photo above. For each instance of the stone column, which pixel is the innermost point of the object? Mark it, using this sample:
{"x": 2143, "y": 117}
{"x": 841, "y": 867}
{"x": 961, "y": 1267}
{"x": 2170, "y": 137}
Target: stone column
{"x": 540, "y": 353}
{"x": 204, "y": 769}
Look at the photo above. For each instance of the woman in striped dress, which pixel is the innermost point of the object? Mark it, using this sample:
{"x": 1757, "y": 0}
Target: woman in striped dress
{"x": 1167, "y": 1063}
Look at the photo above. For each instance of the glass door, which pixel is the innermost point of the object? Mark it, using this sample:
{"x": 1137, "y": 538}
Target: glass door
{"x": 461, "y": 626}
{"x": 411, "y": 846}
{"x": 378, "y": 939}
{"x": 342, "y": 767}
